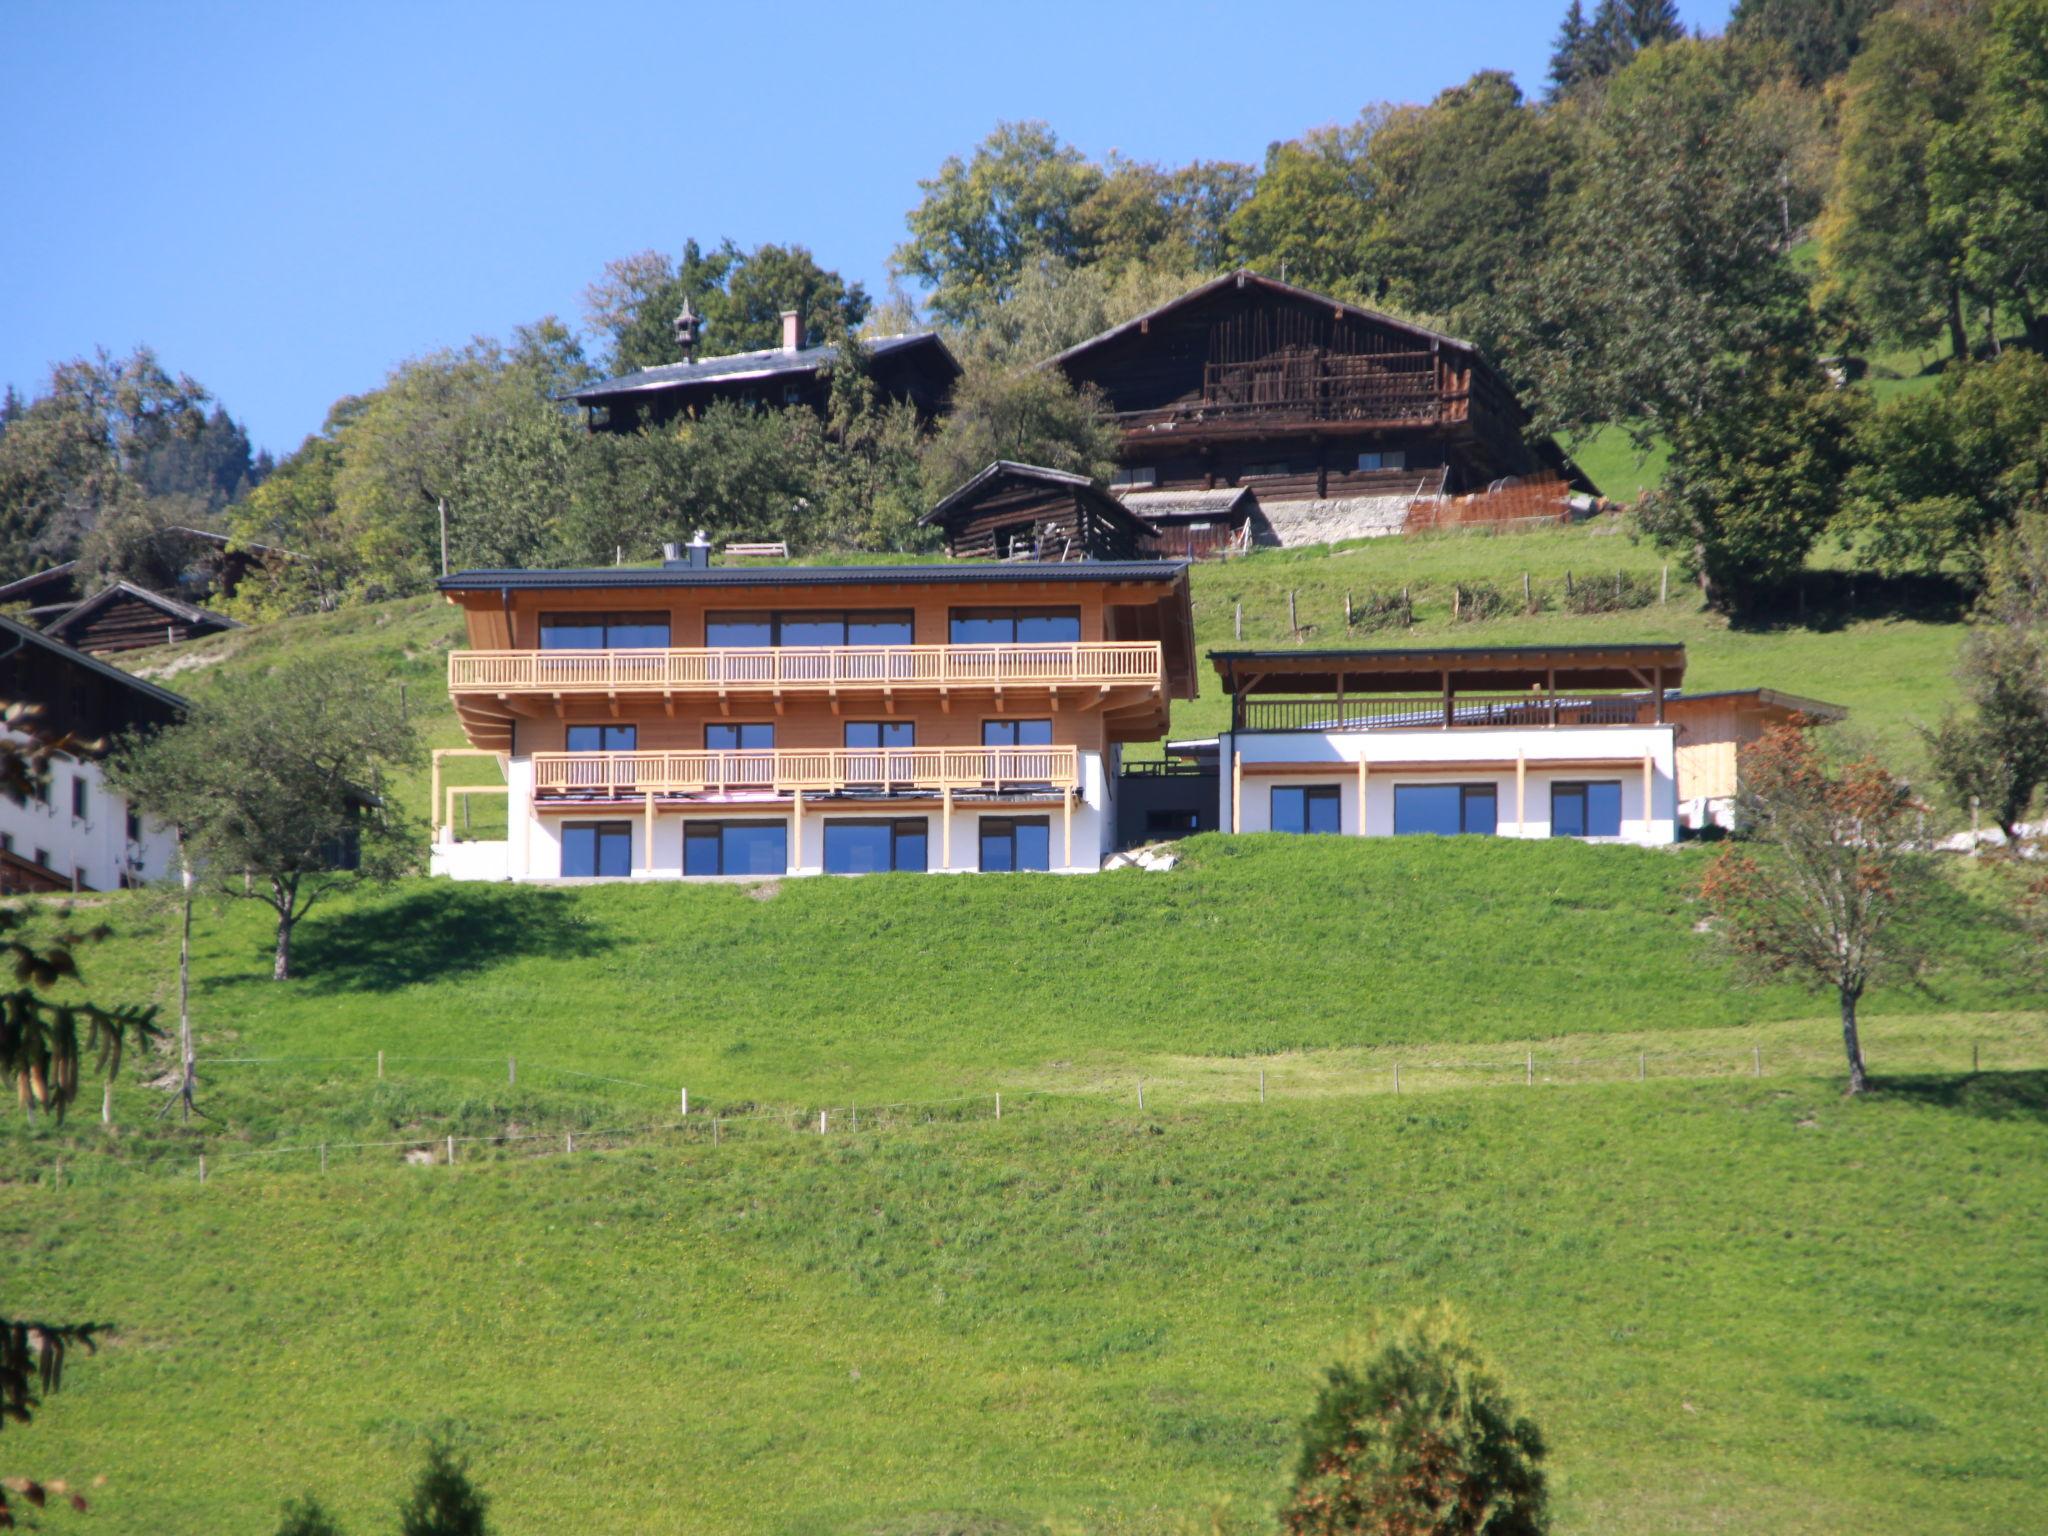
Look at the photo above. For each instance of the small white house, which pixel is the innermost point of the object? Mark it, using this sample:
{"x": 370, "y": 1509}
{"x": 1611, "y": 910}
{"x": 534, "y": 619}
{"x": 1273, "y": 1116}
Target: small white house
{"x": 1584, "y": 741}
{"x": 76, "y": 834}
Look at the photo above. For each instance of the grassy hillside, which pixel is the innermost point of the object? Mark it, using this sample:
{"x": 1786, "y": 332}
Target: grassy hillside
{"x": 811, "y": 992}
{"x": 1744, "y": 1307}
{"x": 1885, "y": 654}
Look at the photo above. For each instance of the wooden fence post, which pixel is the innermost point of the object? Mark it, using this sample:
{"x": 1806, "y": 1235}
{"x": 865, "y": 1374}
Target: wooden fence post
{"x": 1641, "y": 1062}
{"x": 686, "y": 1103}
{"x": 1973, "y": 1055}
{"x": 451, "y": 1151}
{"x": 1237, "y": 623}
{"x": 1529, "y": 1070}
{"x": 511, "y": 1072}
{"x": 202, "y": 1168}
{"x": 1664, "y": 585}
{"x": 107, "y": 1103}
{"x": 999, "y": 1106}
{"x": 380, "y": 1066}
{"x": 1262, "y": 1085}
{"x": 323, "y": 1157}
{"x": 1397, "y": 1077}
{"x": 821, "y": 1121}
{"x": 1141, "y": 1093}
{"x": 1293, "y": 625}
{"x": 568, "y": 1141}
{"x": 1757, "y": 1056}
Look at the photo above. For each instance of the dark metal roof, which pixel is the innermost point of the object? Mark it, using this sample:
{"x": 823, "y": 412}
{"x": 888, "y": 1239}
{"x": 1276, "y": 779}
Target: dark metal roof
{"x": 815, "y": 575}
{"x": 769, "y": 363}
{"x": 23, "y": 634}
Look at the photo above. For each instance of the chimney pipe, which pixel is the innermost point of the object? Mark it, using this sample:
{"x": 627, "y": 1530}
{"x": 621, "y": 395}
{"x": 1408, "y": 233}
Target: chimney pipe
{"x": 700, "y": 552}
{"x": 792, "y": 330}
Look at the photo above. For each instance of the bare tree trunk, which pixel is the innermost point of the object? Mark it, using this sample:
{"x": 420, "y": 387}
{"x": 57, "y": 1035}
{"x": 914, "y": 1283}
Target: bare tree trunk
{"x": 188, "y": 1070}
{"x": 281, "y": 968}
{"x": 1854, "y": 1046}
{"x": 1958, "y": 339}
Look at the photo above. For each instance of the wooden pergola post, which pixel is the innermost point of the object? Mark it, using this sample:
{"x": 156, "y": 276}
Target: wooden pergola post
{"x": 1447, "y": 699}
{"x": 1521, "y": 792}
{"x": 434, "y": 798}
{"x": 1363, "y": 771}
{"x": 1067, "y": 829}
{"x": 1236, "y": 789}
{"x": 1649, "y": 779}
{"x": 796, "y": 829}
{"x": 648, "y": 867}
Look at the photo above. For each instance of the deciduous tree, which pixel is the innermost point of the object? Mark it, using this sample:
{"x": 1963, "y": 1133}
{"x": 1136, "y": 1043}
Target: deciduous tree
{"x": 277, "y": 785}
{"x": 1310, "y": 218}
{"x": 1824, "y": 887}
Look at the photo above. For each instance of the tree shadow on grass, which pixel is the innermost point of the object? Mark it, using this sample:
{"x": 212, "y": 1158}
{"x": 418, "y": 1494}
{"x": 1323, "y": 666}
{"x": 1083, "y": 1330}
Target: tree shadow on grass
{"x": 449, "y": 930}
{"x": 1830, "y": 600}
{"x": 1986, "y": 1095}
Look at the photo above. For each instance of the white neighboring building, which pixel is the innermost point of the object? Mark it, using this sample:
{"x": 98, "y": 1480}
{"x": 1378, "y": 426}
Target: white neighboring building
{"x": 77, "y": 834}
{"x": 1586, "y": 741}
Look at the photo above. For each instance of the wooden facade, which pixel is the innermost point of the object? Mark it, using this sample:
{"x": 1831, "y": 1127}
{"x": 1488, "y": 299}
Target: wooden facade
{"x": 966, "y": 696}
{"x": 917, "y": 369}
{"x": 1026, "y": 512}
{"x": 1246, "y": 381}
{"x": 125, "y": 617}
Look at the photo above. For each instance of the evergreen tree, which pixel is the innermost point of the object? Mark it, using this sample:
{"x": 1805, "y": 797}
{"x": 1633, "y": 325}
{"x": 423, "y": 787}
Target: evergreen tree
{"x": 1568, "y": 54}
{"x": 444, "y": 1502}
{"x": 1645, "y": 22}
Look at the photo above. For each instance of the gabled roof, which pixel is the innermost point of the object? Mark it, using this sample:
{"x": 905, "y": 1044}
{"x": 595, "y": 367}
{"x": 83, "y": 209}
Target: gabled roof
{"x": 17, "y": 634}
{"x": 1007, "y": 471}
{"x": 1245, "y": 277}
{"x": 25, "y": 586}
{"x": 167, "y": 605}
{"x": 736, "y": 367}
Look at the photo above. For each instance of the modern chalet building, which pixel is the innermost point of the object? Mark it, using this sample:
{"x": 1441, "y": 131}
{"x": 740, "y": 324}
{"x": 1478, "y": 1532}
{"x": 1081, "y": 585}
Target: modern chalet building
{"x": 77, "y": 834}
{"x": 692, "y": 720}
{"x": 1592, "y": 741}
{"x": 1328, "y": 412}
{"x": 916, "y": 367}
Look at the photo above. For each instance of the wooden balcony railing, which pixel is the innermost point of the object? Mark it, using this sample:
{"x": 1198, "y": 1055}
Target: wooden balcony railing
{"x": 1391, "y": 387}
{"x": 1422, "y": 711}
{"x": 893, "y": 769}
{"x": 777, "y": 668}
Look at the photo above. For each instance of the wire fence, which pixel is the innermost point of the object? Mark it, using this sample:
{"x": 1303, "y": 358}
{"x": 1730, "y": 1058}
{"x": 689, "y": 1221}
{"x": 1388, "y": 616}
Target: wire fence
{"x": 1192, "y": 1083}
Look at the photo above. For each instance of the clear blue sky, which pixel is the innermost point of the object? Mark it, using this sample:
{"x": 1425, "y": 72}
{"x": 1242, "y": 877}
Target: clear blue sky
{"x": 285, "y": 199}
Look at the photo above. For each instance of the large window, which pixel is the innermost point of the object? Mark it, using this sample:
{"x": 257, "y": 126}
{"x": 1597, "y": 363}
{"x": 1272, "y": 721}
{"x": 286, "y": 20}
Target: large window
{"x": 807, "y": 627}
{"x": 603, "y": 738}
{"x": 78, "y": 796}
{"x": 1016, "y": 626}
{"x": 735, "y": 736}
{"x": 735, "y": 848}
{"x": 1445, "y": 809}
{"x": 592, "y": 848}
{"x": 1016, "y": 733}
{"x": 1015, "y": 842}
{"x": 1586, "y": 810}
{"x": 603, "y": 631}
{"x": 868, "y": 847}
{"x": 1314, "y": 808}
{"x": 866, "y": 735}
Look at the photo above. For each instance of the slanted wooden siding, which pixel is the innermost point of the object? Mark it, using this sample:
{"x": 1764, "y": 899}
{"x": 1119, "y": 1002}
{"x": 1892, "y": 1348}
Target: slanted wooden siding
{"x": 127, "y": 623}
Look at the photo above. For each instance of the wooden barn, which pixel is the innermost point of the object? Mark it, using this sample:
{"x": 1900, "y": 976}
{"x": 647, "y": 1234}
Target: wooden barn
{"x": 915, "y": 367}
{"x": 1027, "y": 512}
{"x": 125, "y": 617}
{"x": 1246, "y": 381}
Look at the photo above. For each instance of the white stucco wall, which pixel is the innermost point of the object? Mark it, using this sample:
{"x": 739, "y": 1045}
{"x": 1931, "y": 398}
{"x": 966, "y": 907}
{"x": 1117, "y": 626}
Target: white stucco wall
{"x": 94, "y": 845}
{"x": 1449, "y": 755}
{"x": 533, "y": 848}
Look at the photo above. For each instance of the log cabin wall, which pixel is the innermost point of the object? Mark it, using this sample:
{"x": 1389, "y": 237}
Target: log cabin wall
{"x": 128, "y": 623}
{"x": 1058, "y": 522}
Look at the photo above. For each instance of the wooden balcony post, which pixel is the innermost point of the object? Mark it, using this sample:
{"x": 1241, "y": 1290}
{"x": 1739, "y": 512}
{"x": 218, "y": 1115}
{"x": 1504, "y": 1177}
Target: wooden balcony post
{"x": 1363, "y": 770}
{"x": 1067, "y": 829}
{"x": 946, "y": 824}
{"x": 1649, "y": 776}
{"x": 648, "y": 834}
{"x": 796, "y": 830}
{"x": 434, "y": 795}
{"x": 1447, "y": 700}
{"x": 1521, "y": 791}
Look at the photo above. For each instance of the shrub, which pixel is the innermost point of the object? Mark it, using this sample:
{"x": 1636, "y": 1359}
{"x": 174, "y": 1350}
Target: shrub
{"x": 1609, "y": 594}
{"x": 1418, "y": 1439}
{"x": 305, "y": 1517}
{"x": 444, "y": 1502}
{"x": 1388, "y": 609}
{"x": 1477, "y": 601}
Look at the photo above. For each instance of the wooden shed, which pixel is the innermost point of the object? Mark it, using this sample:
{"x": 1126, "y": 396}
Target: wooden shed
{"x": 125, "y": 617}
{"x": 1027, "y": 512}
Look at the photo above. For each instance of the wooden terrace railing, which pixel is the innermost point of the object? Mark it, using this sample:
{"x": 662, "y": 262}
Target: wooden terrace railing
{"x": 892, "y": 769}
{"x": 776, "y": 668}
{"x": 1422, "y": 711}
{"x": 1395, "y": 387}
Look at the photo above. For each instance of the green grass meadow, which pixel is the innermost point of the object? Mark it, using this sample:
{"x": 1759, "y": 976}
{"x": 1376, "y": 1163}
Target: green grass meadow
{"x": 1375, "y": 1075}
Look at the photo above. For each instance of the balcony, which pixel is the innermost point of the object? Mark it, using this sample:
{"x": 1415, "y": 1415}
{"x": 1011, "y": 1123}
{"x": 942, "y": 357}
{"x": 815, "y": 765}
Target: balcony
{"x": 885, "y": 770}
{"x": 770, "y": 671}
{"x": 1386, "y": 389}
{"x": 1417, "y": 712}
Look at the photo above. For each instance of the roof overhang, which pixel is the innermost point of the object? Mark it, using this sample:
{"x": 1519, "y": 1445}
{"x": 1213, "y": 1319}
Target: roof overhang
{"x": 1499, "y": 669}
{"x": 768, "y": 577}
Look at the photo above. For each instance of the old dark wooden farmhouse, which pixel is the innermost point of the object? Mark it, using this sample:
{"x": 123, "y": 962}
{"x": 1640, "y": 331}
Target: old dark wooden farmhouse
{"x": 915, "y": 367}
{"x": 125, "y": 617}
{"x": 1026, "y": 512}
{"x": 1246, "y": 381}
